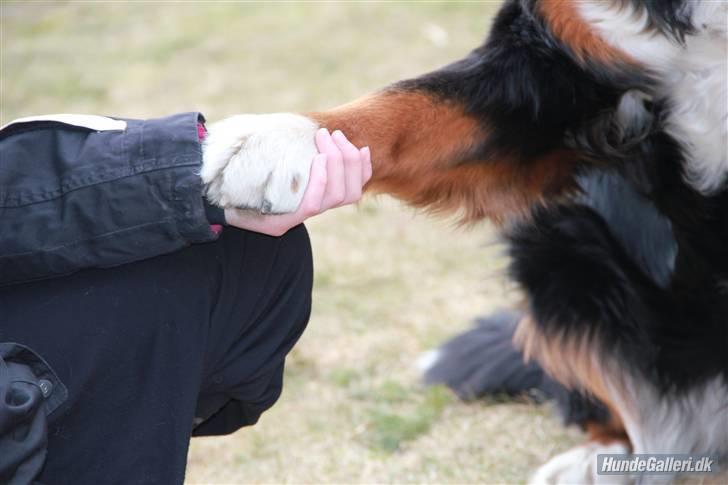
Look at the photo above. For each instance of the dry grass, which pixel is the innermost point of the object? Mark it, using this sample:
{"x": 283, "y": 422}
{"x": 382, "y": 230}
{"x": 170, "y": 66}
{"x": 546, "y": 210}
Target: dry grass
{"x": 389, "y": 283}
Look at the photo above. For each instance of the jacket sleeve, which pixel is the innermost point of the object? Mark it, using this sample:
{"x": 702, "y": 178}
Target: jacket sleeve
{"x": 97, "y": 192}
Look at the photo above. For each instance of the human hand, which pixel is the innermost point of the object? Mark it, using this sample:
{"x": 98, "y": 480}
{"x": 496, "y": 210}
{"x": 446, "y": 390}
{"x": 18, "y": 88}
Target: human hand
{"x": 338, "y": 174}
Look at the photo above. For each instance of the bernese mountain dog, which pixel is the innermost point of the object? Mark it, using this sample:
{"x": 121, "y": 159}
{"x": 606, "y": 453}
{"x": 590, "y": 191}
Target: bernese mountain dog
{"x": 595, "y": 134}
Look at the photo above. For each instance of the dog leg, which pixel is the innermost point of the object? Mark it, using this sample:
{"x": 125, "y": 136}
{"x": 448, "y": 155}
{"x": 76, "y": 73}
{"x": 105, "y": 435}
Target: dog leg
{"x": 579, "y": 466}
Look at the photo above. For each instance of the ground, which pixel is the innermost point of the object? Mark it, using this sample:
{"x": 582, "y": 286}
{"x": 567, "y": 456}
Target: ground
{"x": 390, "y": 282}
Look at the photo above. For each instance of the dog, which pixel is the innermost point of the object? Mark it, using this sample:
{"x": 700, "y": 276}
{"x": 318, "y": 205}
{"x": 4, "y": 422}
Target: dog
{"x": 594, "y": 134}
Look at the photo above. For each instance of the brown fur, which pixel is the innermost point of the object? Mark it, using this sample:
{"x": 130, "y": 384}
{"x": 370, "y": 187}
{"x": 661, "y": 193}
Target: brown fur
{"x": 571, "y": 360}
{"x": 565, "y": 22}
{"x": 607, "y": 433}
{"x": 423, "y": 153}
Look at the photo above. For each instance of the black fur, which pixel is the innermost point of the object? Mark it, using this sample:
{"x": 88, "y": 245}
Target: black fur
{"x": 525, "y": 87}
{"x": 637, "y": 258}
{"x": 471, "y": 373}
{"x": 484, "y": 362}
{"x": 613, "y": 265}
{"x": 671, "y": 17}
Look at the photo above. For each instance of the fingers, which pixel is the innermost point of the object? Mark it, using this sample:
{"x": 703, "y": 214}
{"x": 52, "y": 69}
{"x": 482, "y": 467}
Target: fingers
{"x": 277, "y": 225}
{"x": 336, "y": 179}
{"x": 366, "y": 165}
{"x": 352, "y": 160}
{"x": 313, "y": 198}
{"x": 349, "y": 168}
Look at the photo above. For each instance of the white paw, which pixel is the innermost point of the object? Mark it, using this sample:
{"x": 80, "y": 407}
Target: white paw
{"x": 579, "y": 466}
{"x": 259, "y": 162}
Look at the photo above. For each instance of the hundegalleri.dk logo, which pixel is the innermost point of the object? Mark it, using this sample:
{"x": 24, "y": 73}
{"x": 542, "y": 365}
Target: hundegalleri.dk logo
{"x": 621, "y": 464}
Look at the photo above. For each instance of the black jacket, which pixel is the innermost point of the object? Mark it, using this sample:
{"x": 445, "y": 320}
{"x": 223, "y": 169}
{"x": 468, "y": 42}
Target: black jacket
{"x": 100, "y": 192}
{"x": 74, "y": 197}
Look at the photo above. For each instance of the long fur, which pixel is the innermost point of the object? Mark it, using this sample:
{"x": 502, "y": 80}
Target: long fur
{"x": 596, "y": 135}
{"x": 594, "y": 132}
{"x": 625, "y": 280}
{"x": 484, "y": 361}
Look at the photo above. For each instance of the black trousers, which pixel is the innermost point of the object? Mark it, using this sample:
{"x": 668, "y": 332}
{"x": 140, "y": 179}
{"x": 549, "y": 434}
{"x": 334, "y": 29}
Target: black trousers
{"x": 151, "y": 353}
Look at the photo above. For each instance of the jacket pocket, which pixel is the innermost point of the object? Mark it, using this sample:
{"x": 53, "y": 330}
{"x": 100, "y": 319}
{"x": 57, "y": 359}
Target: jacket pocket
{"x": 29, "y": 392}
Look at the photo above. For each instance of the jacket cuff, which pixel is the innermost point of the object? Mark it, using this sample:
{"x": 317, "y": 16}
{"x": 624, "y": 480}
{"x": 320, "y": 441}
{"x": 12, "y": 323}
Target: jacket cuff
{"x": 189, "y": 207}
{"x": 215, "y": 214}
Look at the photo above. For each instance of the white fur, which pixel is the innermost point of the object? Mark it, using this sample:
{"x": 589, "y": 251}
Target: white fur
{"x": 693, "y": 78}
{"x": 256, "y": 161}
{"x": 632, "y": 117}
{"x": 694, "y": 81}
{"x": 579, "y": 466}
{"x": 692, "y": 422}
{"x": 427, "y": 360}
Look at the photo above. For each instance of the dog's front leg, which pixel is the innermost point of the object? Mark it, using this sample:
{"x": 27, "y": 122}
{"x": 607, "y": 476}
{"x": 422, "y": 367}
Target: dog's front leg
{"x": 426, "y": 150}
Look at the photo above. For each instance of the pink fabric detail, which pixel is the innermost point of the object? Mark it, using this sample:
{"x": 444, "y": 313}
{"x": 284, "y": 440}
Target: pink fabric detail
{"x": 202, "y": 134}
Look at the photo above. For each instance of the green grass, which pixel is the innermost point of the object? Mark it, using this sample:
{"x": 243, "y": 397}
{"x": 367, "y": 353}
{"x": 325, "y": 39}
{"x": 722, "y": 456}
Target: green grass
{"x": 390, "y": 283}
{"x": 391, "y": 428}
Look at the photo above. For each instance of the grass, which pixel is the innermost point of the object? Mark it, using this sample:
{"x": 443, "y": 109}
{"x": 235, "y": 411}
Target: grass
{"x": 390, "y": 429}
{"x": 390, "y": 283}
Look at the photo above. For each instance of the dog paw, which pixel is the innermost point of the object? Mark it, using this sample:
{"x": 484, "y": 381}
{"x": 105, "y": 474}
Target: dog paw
{"x": 579, "y": 466}
{"x": 259, "y": 162}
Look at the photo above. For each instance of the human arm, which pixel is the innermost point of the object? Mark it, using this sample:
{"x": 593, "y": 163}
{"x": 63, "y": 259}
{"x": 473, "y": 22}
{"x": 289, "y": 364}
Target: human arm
{"x": 75, "y": 197}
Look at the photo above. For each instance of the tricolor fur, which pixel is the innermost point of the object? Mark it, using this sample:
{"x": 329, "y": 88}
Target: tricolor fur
{"x": 595, "y": 133}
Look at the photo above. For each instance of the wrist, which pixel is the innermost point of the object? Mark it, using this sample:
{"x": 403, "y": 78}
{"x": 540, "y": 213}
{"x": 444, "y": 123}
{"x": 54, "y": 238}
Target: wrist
{"x": 215, "y": 215}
